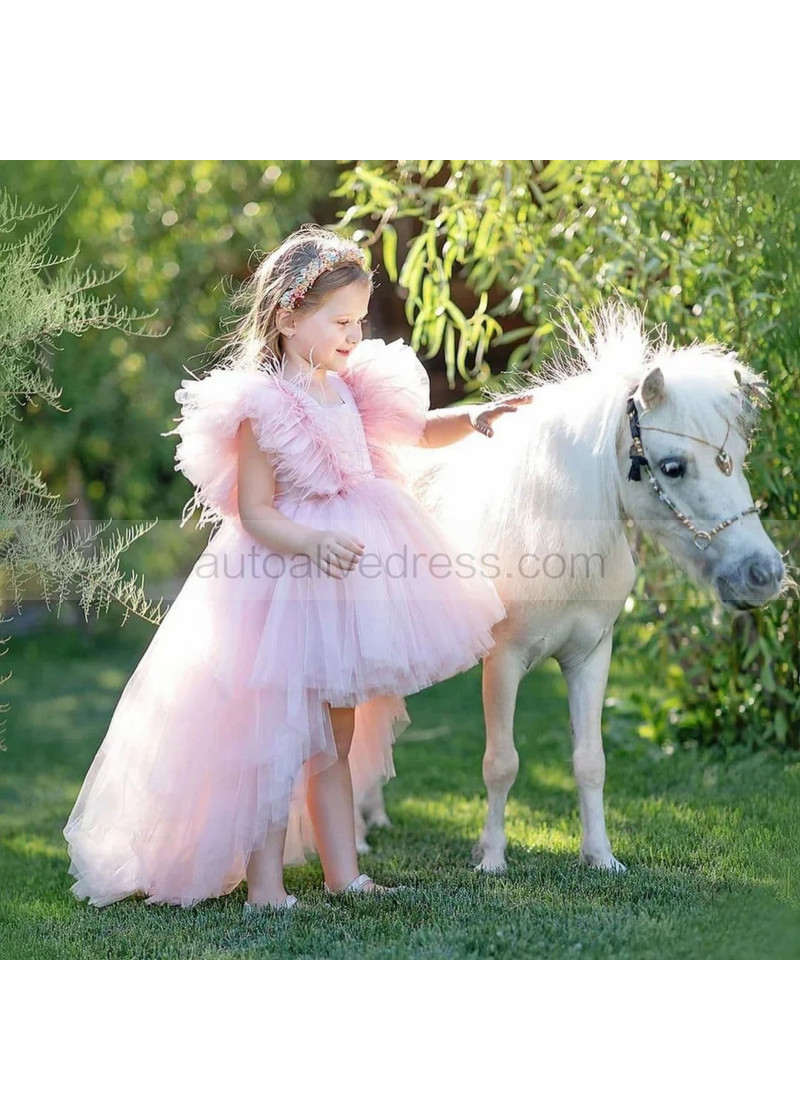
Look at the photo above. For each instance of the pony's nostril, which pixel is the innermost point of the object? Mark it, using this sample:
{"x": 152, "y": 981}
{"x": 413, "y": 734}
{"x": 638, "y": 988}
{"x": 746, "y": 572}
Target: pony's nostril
{"x": 759, "y": 574}
{"x": 762, "y": 573}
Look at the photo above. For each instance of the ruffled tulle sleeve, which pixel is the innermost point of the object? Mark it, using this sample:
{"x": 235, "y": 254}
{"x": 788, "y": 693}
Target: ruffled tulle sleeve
{"x": 392, "y": 391}
{"x": 212, "y": 410}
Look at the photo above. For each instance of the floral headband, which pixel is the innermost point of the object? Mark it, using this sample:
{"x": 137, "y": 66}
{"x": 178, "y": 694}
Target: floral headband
{"x": 326, "y": 260}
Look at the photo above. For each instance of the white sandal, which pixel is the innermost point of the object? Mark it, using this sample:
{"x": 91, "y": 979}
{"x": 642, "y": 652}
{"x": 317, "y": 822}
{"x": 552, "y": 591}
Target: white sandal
{"x": 357, "y": 887}
{"x": 255, "y": 907}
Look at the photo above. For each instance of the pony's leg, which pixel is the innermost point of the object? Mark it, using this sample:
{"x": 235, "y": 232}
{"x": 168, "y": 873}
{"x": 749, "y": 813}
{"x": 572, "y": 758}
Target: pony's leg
{"x": 362, "y": 844}
{"x": 373, "y": 807}
{"x": 502, "y": 672}
{"x": 586, "y": 679}
{"x": 370, "y": 812}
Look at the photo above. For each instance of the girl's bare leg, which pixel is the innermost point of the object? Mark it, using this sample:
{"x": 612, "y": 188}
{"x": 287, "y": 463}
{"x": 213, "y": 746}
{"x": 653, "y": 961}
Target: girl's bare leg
{"x": 265, "y": 872}
{"x": 330, "y": 806}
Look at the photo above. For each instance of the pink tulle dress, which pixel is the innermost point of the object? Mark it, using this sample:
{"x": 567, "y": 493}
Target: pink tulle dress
{"x": 224, "y": 718}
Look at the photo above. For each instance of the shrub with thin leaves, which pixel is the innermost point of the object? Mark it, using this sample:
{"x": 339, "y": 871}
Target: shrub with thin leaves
{"x": 41, "y": 297}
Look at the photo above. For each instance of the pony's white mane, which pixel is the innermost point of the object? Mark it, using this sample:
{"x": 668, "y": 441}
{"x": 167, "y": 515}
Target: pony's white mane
{"x": 550, "y": 482}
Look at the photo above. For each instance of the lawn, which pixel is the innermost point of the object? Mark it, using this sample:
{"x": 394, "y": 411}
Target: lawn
{"x": 711, "y": 843}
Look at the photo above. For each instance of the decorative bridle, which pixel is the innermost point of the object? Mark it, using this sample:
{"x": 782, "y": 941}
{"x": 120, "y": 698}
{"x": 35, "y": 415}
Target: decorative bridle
{"x": 702, "y": 539}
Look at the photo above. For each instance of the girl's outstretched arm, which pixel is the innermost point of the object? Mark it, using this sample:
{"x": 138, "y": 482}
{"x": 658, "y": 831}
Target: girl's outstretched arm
{"x": 449, "y": 425}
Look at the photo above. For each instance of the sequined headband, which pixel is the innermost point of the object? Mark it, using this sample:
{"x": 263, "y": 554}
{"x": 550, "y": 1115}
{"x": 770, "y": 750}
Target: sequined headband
{"x": 325, "y": 260}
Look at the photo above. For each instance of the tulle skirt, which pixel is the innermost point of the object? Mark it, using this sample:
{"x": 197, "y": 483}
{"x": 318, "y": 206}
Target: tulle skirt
{"x": 226, "y": 716}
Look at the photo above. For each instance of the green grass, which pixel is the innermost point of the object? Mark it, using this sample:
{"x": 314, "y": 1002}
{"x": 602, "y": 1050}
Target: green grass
{"x": 711, "y": 844}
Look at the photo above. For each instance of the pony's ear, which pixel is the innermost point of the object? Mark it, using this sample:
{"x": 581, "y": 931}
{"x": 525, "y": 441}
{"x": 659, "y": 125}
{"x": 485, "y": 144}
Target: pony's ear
{"x": 752, "y": 386}
{"x": 652, "y": 389}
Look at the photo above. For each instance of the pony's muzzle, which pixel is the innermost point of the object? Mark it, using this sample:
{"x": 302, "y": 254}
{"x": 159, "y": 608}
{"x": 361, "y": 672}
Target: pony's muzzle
{"x": 751, "y": 582}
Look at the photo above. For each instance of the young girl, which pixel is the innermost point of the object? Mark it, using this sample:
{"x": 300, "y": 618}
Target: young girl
{"x": 326, "y": 594}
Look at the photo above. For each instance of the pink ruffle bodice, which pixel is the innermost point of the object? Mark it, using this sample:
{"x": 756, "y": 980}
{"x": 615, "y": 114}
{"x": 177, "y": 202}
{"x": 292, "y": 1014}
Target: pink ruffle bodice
{"x": 311, "y": 457}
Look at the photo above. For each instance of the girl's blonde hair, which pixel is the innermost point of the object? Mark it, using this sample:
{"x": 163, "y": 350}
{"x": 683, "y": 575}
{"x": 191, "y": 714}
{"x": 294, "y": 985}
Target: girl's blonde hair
{"x": 255, "y": 337}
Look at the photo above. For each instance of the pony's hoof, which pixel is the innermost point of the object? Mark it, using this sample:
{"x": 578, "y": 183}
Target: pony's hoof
{"x": 362, "y": 846}
{"x": 491, "y": 867}
{"x": 491, "y": 864}
{"x": 379, "y": 820}
{"x": 603, "y": 863}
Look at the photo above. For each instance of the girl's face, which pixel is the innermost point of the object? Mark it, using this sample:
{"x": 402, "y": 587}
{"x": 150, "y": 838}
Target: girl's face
{"x": 325, "y": 337}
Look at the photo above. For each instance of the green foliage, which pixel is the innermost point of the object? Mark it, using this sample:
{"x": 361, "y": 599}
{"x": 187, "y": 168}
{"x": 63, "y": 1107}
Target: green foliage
{"x": 38, "y": 543}
{"x": 175, "y": 235}
{"x": 36, "y": 307}
{"x": 707, "y": 248}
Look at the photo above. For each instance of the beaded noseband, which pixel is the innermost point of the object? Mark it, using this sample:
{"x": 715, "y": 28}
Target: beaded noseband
{"x": 702, "y": 539}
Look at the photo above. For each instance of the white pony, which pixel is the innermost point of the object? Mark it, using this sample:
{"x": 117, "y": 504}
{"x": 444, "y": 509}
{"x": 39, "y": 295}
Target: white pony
{"x": 542, "y": 509}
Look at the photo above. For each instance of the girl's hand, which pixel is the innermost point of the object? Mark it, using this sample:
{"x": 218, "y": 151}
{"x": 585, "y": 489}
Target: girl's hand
{"x": 335, "y": 553}
{"x": 483, "y": 421}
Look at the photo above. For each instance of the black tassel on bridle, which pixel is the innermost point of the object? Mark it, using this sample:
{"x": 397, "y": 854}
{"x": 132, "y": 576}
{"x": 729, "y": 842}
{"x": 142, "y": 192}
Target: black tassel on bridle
{"x": 636, "y": 453}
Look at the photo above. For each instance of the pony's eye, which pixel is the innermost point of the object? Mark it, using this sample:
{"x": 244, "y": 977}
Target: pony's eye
{"x": 672, "y": 468}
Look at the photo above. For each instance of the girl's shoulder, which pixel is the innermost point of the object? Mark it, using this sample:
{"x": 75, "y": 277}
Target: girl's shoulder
{"x": 391, "y": 387}
{"x": 394, "y": 365}
{"x": 227, "y": 394}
